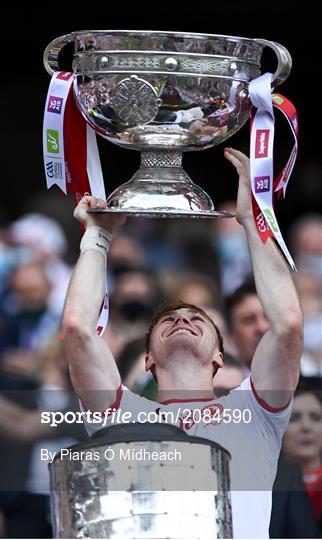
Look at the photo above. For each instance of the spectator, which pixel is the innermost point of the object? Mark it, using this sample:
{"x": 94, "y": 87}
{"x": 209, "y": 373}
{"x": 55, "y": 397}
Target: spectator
{"x": 136, "y": 293}
{"x": 303, "y": 442}
{"x": 306, "y": 241}
{"x": 126, "y": 252}
{"x": 28, "y": 322}
{"x": 292, "y": 513}
{"x": 247, "y": 322}
{"x": 230, "y": 245}
{"x": 46, "y": 240}
{"x": 25, "y": 497}
{"x": 309, "y": 288}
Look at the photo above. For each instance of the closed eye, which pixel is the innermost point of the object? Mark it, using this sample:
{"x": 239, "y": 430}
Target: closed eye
{"x": 197, "y": 318}
{"x": 168, "y": 319}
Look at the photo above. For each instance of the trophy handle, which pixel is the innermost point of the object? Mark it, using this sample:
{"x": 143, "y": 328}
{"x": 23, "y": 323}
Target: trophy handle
{"x": 284, "y": 61}
{"x": 52, "y": 52}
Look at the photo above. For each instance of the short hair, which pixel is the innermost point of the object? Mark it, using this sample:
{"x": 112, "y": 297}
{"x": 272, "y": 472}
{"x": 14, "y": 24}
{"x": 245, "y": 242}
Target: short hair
{"x": 237, "y": 297}
{"x": 169, "y": 308}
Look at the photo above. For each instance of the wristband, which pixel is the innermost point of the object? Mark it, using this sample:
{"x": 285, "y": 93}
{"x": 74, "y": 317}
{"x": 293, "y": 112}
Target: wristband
{"x": 97, "y": 239}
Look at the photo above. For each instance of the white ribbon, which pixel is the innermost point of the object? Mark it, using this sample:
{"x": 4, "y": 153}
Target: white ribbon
{"x": 53, "y": 129}
{"x": 261, "y": 155}
{"x": 55, "y": 160}
{"x": 94, "y": 169}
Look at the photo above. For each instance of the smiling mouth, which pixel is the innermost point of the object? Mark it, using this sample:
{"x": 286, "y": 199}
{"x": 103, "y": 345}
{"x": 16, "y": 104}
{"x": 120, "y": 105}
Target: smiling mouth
{"x": 182, "y": 330}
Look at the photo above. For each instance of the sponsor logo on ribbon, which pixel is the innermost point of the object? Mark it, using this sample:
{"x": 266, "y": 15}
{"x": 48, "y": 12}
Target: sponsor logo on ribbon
{"x": 262, "y": 184}
{"x": 261, "y": 143}
{"x": 271, "y": 220}
{"x": 277, "y": 99}
{"x": 55, "y": 104}
{"x": 52, "y": 141}
{"x": 64, "y": 75}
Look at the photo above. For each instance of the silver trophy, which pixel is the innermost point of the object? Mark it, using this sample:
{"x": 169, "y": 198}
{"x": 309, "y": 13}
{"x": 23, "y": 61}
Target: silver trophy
{"x": 119, "y": 499}
{"x": 164, "y": 93}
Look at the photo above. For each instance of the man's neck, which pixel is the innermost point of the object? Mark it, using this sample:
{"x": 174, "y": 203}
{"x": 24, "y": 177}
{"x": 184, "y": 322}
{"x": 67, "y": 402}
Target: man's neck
{"x": 193, "y": 384}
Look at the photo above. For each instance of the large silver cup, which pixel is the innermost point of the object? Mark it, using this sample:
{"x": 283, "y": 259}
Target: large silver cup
{"x": 164, "y": 93}
{"x": 129, "y": 499}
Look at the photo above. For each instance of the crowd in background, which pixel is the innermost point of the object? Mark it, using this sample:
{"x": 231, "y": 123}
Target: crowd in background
{"x": 202, "y": 262}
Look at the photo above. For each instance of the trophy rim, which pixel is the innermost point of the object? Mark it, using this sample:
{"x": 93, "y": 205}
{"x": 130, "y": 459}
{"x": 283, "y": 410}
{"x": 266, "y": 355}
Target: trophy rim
{"x": 171, "y": 33}
{"x": 165, "y": 213}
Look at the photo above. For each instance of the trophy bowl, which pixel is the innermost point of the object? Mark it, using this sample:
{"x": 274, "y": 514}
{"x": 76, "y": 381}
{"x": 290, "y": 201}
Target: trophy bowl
{"x": 164, "y": 93}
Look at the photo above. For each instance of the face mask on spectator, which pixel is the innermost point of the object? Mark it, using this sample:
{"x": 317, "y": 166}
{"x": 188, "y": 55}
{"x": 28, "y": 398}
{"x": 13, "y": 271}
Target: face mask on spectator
{"x": 135, "y": 310}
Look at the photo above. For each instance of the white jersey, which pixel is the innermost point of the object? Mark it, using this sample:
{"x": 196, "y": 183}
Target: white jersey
{"x": 244, "y": 425}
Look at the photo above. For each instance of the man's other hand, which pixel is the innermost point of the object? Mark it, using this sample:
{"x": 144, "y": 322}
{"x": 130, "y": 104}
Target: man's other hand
{"x": 244, "y": 199}
{"x": 110, "y": 221}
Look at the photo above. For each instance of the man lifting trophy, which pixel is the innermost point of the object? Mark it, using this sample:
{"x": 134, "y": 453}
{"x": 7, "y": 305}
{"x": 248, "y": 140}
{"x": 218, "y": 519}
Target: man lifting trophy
{"x": 165, "y": 93}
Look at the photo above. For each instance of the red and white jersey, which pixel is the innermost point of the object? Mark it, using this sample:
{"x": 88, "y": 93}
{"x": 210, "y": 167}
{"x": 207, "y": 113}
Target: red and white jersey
{"x": 244, "y": 425}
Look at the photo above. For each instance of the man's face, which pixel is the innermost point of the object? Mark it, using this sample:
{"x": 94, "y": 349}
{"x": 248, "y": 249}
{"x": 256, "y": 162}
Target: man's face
{"x": 249, "y": 324}
{"x": 186, "y": 332}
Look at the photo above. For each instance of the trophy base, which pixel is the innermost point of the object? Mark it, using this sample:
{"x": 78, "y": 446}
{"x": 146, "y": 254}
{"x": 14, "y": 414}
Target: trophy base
{"x": 161, "y": 188}
{"x": 162, "y": 213}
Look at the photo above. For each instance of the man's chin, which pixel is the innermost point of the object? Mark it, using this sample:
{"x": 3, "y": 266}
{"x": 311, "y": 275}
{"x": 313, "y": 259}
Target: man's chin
{"x": 184, "y": 344}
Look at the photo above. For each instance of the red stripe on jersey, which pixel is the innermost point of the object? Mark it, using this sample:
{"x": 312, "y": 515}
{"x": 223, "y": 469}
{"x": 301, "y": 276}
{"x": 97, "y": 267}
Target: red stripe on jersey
{"x": 266, "y": 405}
{"x": 168, "y": 401}
{"x": 114, "y": 406}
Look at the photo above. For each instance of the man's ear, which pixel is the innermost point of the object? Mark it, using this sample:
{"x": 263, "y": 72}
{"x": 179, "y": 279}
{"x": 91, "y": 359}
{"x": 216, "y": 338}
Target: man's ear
{"x": 218, "y": 359}
{"x": 149, "y": 362}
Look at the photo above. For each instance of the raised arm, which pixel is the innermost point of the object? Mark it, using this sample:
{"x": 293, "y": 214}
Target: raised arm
{"x": 276, "y": 363}
{"x": 92, "y": 367}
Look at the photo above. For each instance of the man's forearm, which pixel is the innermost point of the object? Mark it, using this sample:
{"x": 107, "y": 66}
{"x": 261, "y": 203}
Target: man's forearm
{"x": 92, "y": 367}
{"x": 274, "y": 283}
{"x": 86, "y": 290}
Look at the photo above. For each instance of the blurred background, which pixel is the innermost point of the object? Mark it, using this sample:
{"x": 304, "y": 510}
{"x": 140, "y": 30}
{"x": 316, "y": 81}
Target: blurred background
{"x": 201, "y": 262}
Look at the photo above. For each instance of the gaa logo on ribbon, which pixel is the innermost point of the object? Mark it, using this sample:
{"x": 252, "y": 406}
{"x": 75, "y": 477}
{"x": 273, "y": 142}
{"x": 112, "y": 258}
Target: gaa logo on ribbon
{"x": 54, "y": 169}
{"x": 50, "y": 169}
{"x": 261, "y": 223}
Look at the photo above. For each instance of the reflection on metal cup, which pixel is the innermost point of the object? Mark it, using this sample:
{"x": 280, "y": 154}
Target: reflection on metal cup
{"x": 183, "y": 492}
{"x": 164, "y": 93}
